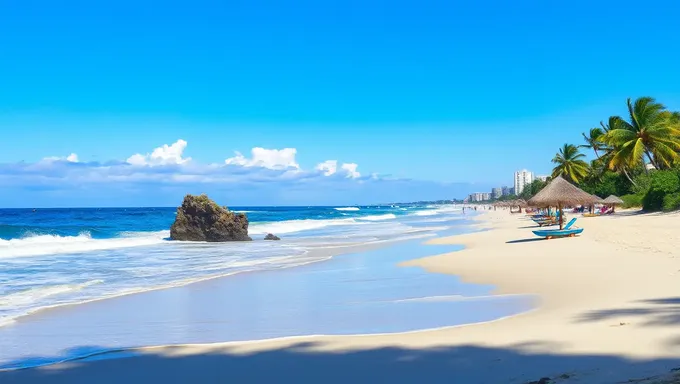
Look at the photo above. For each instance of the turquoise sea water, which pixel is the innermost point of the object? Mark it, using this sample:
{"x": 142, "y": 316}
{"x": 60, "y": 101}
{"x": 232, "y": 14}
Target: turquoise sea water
{"x": 334, "y": 272}
{"x": 51, "y": 257}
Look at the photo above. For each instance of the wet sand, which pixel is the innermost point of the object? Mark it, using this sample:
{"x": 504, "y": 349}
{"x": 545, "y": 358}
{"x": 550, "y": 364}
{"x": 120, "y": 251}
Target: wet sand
{"x": 609, "y": 313}
{"x": 362, "y": 292}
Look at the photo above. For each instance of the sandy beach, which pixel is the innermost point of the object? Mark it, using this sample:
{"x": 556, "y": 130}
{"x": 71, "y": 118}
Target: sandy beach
{"x": 609, "y": 313}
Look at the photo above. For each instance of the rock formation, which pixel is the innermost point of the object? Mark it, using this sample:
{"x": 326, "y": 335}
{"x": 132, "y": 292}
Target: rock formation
{"x": 271, "y": 237}
{"x": 201, "y": 219}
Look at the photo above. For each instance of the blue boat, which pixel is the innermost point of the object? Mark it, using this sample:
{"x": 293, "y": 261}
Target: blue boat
{"x": 552, "y": 233}
{"x": 566, "y": 232}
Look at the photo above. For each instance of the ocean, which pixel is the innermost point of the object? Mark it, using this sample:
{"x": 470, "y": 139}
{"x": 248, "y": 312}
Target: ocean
{"x": 54, "y": 257}
{"x": 112, "y": 279}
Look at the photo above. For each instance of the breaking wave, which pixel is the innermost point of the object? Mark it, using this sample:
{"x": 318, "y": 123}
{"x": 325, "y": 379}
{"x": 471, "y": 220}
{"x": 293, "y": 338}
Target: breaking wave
{"x": 37, "y": 245}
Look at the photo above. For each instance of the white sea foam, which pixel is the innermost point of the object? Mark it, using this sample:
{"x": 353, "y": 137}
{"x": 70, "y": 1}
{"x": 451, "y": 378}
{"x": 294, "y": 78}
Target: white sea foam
{"x": 34, "y": 294}
{"x": 137, "y": 261}
{"x": 132, "y": 270}
{"x": 458, "y": 298}
{"x": 52, "y": 244}
{"x": 387, "y": 216}
{"x": 429, "y": 212}
{"x": 291, "y": 226}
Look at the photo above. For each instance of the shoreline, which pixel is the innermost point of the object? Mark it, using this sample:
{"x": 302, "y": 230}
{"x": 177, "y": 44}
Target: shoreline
{"x": 473, "y": 227}
{"x": 587, "y": 329}
{"x": 433, "y": 294}
{"x": 321, "y": 250}
{"x": 130, "y": 352}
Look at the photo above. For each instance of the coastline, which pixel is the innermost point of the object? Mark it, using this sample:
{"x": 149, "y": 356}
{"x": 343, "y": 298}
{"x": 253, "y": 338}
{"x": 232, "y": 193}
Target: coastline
{"x": 64, "y": 288}
{"x": 595, "y": 324}
{"x": 350, "y": 295}
{"x": 319, "y": 254}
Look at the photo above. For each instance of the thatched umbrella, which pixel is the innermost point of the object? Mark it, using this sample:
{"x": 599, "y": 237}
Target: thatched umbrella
{"x": 499, "y": 204}
{"x": 516, "y": 203}
{"x": 613, "y": 201}
{"x": 520, "y": 203}
{"x": 559, "y": 193}
{"x": 596, "y": 200}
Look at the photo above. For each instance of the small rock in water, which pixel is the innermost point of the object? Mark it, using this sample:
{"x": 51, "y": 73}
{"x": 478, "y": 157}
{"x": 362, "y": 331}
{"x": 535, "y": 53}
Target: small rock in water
{"x": 543, "y": 380}
{"x": 271, "y": 237}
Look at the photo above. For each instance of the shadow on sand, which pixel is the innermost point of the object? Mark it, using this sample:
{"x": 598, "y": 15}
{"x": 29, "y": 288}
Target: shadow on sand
{"x": 302, "y": 363}
{"x": 536, "y": 226}
{"x": 524, "y": 240}
{"x": 650, "y": 313}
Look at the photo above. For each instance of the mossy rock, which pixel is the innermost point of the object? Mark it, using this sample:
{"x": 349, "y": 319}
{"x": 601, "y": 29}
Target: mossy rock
{"x": 201, "y": 219}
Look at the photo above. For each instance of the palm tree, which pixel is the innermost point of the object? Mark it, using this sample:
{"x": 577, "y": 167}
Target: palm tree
{"x": 609, "y": 151}
{"x": 570, "y": 164}
{"x": 594, "y": 140}
{"x": 651, "y": 132}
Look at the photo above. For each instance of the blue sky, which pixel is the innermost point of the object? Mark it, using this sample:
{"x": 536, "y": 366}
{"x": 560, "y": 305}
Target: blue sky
{"x": 430, "y": 99}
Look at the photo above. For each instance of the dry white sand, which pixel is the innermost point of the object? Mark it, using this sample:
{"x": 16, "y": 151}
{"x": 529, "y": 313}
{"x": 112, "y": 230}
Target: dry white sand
{"x": 610, "y": 313}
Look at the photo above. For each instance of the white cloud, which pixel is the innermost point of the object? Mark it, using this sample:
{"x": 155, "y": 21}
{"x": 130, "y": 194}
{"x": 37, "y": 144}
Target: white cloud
{"x": 351, "y": 169}
{"x": 269, "y": 176}
{"x": 328, "y": 167}
{"x": 72, "y": 158}
{"x": 273, "y": 168}
{"x": 266, "y": 158}
{"x": 165, "y": 155}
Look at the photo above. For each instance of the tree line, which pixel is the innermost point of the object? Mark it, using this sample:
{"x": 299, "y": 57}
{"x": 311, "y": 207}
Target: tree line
{"x": 636, "y": 158}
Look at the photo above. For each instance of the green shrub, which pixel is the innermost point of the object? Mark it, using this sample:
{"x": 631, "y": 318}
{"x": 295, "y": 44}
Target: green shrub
{"x": 663, "y": 183}
{"x": 671, "y": 202}
{"x": 632, "y": 201}
{"x": 642, "y": 183}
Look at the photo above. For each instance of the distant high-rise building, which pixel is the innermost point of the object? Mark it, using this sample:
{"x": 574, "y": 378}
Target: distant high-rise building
{"x": 496, "y": 193}
{"x": 522, "y": 179}
{"x": 506, "y": 191}
{"x": 511, "y": 191}
{"x": 479, "y": 196}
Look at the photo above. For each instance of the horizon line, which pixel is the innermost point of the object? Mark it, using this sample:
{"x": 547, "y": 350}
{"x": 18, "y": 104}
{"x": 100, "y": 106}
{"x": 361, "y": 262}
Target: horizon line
{"x": 236, "y": 206}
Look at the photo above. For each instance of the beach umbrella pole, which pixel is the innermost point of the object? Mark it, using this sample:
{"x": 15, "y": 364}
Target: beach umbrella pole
{"x": 559, "y": 207}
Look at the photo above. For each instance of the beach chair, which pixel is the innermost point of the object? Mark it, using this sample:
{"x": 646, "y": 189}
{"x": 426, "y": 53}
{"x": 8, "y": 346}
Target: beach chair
{"x": 568, "y": 231}
{"x": 548, "y": 220}
{"x": 569, "y": 224}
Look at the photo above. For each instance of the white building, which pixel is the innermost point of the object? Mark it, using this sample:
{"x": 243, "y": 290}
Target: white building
{"x": 479, "y": 196}
{"x": 496, "y": 193}
{"x": 522, "y": 179}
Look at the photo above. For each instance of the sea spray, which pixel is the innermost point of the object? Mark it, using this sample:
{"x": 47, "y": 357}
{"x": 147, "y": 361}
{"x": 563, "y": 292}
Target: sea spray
{"x": 65, "y": 256}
